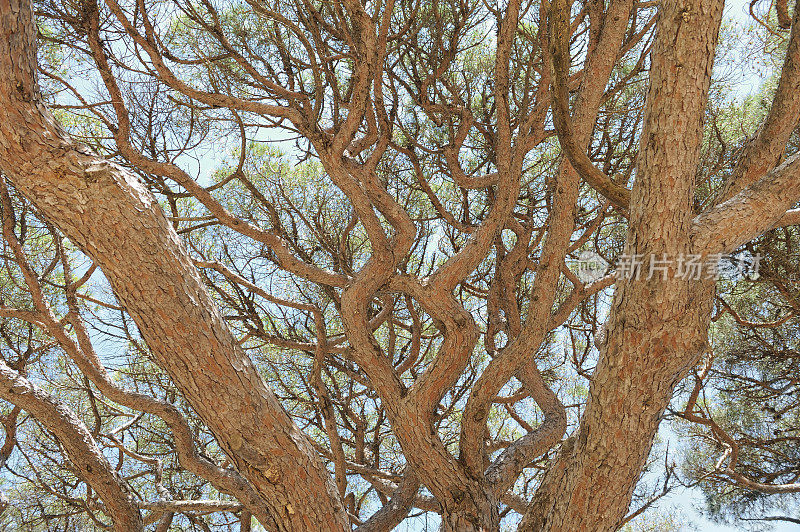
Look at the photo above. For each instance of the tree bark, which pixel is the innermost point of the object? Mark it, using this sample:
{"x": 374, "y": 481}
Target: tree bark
{"x": 116, "y": 221}
{"x": 657, "y": 327}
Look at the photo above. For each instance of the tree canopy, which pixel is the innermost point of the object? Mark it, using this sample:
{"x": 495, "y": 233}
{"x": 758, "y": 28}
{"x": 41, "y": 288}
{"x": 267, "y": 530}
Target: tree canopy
{"x": 353, "y": 264}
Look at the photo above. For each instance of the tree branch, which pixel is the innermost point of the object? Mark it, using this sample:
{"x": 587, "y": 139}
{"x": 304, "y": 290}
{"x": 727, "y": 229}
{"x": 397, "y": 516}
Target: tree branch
{"x": 559, "y": 37}
{"x": 753, "y": 211}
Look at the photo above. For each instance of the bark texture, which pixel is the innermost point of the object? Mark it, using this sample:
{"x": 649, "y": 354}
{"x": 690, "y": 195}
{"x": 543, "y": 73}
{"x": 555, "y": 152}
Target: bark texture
{"x": 657, "y": 327}
{"x": 115, "y": 220}
{"x": 81, "y": 449}
{"x": 382, "y": 286}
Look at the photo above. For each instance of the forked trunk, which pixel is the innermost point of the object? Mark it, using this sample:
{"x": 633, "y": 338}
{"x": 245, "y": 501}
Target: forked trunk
{"x": 471, "y": 515}
{"x": 658, "y": 324}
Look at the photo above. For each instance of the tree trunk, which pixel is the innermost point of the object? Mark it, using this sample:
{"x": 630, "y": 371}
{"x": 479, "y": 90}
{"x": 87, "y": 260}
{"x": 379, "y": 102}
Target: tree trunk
{"x": 472, "y": 514}
{"x": 115, "y": 220}
{"x": 657, "y": 327}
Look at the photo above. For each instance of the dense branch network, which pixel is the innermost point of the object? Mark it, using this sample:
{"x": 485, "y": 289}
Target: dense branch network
{"x": 386, "y": 202}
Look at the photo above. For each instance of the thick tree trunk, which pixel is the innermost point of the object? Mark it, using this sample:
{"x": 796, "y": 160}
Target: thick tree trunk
{"x": 657, "y": 327}
{"x": 106, "y": 211}
{"x": 472, "y": 514}
{"x": 652, "y": 348}
{"x": 608, "y": 33}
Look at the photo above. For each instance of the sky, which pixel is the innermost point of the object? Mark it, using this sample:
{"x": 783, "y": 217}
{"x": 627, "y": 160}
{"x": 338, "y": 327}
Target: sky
{"x": 688, "y": 501}
{"x": 685, "y": 503}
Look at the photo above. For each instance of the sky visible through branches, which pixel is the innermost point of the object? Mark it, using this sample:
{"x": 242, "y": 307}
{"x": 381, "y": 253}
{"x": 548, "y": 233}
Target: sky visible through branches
{"x": 684, "y": 504}
{"x": 741, "y": 79}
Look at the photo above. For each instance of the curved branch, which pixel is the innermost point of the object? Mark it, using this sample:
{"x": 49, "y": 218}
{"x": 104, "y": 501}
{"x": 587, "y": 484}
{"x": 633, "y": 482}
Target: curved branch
{"x": 763, "y": 152}
{"x": 506, "y": 468}
{"x": 396, "y": 509}
{"x": 99, "y": 205}
{"x": 753, "y": 211}
{"x": 559, "y": 36}
{"x": 81, "y": 448}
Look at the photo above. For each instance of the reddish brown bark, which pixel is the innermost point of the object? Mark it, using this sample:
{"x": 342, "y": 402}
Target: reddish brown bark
{"x": 657, "y": 327}
{"x": 116, "y": 221}
{"x": 81, "y": 449}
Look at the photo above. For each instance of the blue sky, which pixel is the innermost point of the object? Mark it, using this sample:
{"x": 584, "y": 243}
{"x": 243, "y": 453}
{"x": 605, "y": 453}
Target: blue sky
{"x": 685, "y": 503}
